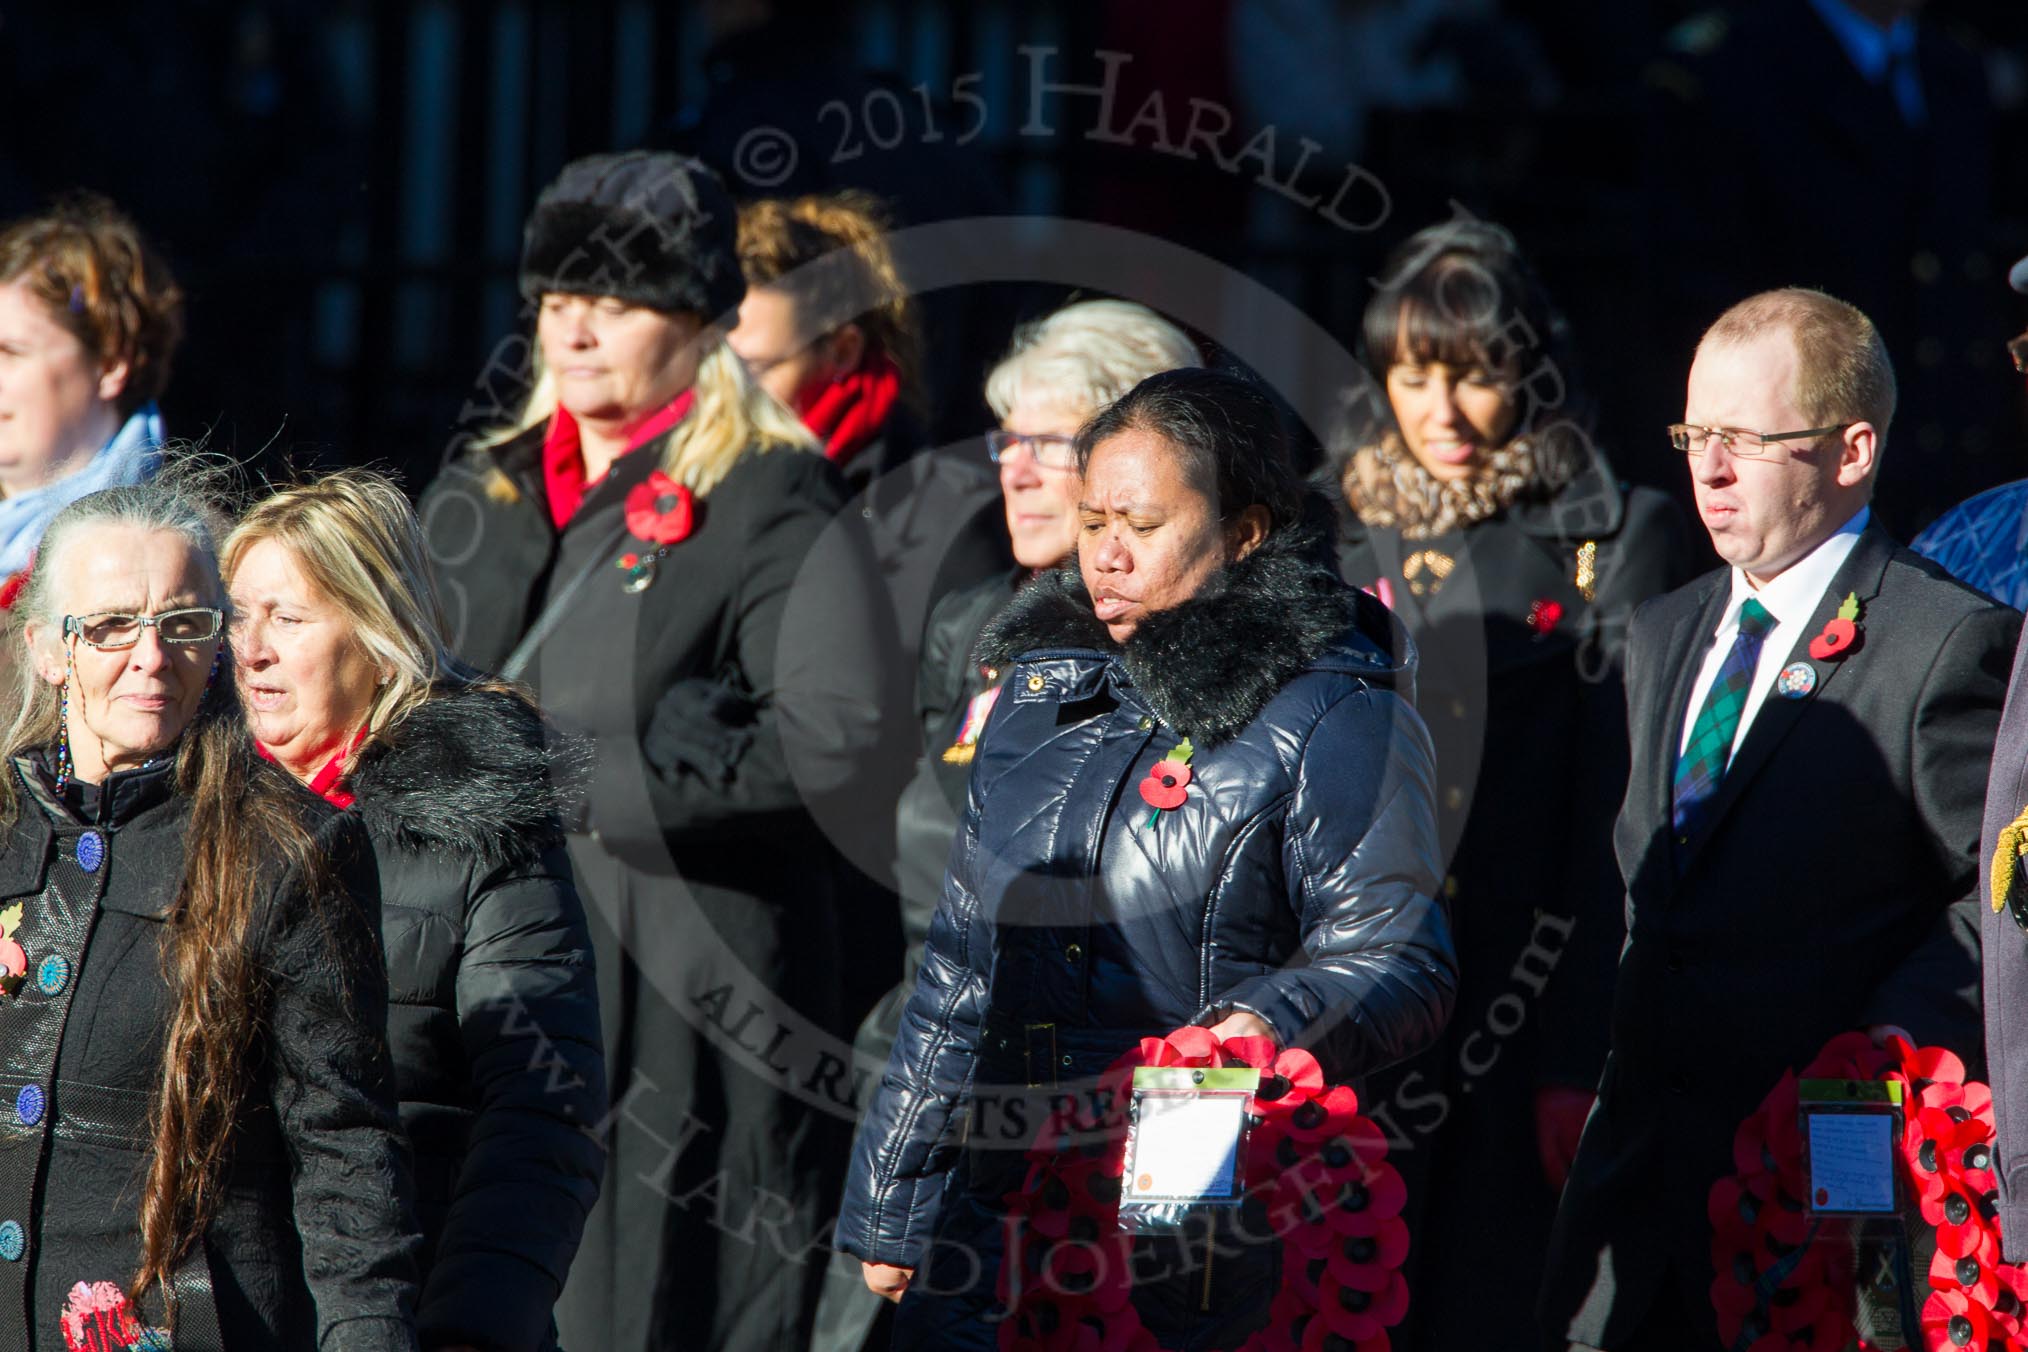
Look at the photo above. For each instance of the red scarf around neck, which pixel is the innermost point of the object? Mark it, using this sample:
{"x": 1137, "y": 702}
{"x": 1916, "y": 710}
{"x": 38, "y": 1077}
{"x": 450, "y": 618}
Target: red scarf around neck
{"x": 849, "y": 412}
{"x": 563, "y": 472}
{"x": 329, "y": 782}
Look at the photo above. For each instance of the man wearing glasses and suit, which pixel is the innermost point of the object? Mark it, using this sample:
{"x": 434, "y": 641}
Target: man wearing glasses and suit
{"x": 1800, "y": 837}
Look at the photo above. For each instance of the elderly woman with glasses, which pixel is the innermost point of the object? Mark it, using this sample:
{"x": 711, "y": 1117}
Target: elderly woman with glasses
{"x": 201, "y": 1141}
{"x": 1059, "y": 371}
{"x": 494, "y": 1019}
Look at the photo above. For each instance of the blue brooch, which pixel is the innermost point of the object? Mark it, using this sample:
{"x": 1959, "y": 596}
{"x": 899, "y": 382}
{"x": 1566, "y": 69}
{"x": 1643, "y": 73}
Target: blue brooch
{"x": 53, "y": 974}
{"x": 12, "y": 1241}
{"x": 29, "y": 1103}
{"x": 91, "y": 851}
{"x": 1797, "y": 680}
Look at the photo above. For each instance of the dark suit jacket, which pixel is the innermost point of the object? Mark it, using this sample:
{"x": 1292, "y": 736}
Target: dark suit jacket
{"x": 1832, "y": 888}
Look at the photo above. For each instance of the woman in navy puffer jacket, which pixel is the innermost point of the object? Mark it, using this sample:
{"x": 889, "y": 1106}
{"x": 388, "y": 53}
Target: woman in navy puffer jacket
{"x": 1291, "y": 893}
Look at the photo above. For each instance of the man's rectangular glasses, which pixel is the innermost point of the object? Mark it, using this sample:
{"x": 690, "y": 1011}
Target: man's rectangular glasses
{"x": 1691, "y": 439}
{"x": 1052, "y": 450}
{"x": 198, "y": 624}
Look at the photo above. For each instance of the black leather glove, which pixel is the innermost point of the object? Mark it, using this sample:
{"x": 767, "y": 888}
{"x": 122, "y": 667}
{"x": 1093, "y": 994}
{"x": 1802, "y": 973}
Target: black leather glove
{"x": 700, "y": 727}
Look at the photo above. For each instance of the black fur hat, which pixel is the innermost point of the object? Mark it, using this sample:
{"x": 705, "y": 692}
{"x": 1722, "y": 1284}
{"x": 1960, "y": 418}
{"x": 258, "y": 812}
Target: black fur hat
{"x": 651, "y": 228}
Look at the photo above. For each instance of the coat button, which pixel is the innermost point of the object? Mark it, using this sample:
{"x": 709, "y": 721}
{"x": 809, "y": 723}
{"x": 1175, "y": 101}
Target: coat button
{"x": 1035, "y": 684}
{"x": 1679, "y": 1083}
{"x": 1146, "y": 724}
{"x": 91, "y": 851}
{"x": 1675, "y": 962}
{"x": 53, "y": 974}
{"x": 28, "y": 1104}
{"x": 1073, "y": 953}
{"x": 12, "y": 1241}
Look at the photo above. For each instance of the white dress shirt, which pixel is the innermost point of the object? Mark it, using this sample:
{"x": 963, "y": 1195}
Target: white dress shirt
{"x": 1791, "y": 597}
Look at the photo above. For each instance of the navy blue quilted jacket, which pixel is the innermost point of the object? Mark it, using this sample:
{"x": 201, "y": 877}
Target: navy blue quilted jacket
{"x": 1297, "y": 880}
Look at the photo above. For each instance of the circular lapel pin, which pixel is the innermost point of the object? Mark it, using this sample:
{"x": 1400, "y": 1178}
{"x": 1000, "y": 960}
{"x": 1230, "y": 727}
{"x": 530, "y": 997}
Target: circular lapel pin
{"x": 638, "y": 572}
{"x": 91, "y": 851}
{"x": 1797, "y": 680}
{"x": 53, "y": 974}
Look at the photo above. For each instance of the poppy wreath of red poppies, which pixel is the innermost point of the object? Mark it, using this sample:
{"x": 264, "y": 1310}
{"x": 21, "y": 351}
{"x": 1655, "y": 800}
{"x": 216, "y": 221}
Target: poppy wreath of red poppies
{"x": 1776, "y": 1291}
{"x": 1320, "y": 1182}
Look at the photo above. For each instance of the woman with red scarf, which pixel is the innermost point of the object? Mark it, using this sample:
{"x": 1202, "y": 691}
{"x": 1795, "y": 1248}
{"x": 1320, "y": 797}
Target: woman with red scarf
{"x": 827, "y": 328}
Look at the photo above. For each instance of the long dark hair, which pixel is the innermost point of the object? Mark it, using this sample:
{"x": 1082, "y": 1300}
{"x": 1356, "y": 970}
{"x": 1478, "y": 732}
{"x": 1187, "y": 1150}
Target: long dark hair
{"x": 249, "y": 825}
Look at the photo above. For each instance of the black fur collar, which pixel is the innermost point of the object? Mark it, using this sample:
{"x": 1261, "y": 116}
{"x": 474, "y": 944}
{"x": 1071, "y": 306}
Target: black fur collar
{"x": 1210, "y": 665}
{"x": 468, "y": 772}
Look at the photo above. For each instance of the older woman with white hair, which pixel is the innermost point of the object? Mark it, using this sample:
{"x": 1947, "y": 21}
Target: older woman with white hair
{"x": 201, "y": 1145}
{"x": 1058, "y": 372}
{"x": 494, "y": 1019}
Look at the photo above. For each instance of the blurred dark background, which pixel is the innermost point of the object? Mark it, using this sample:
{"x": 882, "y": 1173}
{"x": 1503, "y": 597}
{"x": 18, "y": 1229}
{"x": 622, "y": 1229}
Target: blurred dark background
{"x": 341, "y": 186}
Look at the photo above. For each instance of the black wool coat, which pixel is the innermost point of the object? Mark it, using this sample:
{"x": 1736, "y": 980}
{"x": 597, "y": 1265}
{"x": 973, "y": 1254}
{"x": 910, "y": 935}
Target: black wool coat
{"x": 1297, "y": 881}
{"x": 714, "y": 900}
{"x": 1832, "y": 888}
{"x": 1520, "y": 684}
{"x": 314, "y": 1245}
{"x": 493, "y": 1016}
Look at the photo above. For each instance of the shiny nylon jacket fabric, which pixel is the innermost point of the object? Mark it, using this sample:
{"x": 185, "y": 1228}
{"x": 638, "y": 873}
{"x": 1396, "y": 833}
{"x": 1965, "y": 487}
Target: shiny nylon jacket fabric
{"x": 1298, "y": 879}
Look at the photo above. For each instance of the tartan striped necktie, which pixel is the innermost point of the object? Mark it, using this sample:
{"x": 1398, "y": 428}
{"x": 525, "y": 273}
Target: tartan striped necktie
{"x": 1702, "y": 765}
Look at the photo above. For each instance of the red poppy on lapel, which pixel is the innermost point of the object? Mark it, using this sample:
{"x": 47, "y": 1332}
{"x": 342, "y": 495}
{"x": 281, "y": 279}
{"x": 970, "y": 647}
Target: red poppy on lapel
{"x": 660, "y": 510}
{"x": 1544, "y": 616}
{"x": 1840, "y": 634}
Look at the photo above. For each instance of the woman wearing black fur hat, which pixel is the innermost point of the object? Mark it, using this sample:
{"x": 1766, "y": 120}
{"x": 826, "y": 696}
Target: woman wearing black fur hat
{"x": 1473, "y": 503}
{"x": 493, "y": 1019}
{"x": 1290, "y": 893}
{"x": 654, "y": 547}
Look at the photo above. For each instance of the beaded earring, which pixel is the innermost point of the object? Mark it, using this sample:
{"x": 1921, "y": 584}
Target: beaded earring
{"x": 217, "y": 659}
{"x": 63, "y": 761}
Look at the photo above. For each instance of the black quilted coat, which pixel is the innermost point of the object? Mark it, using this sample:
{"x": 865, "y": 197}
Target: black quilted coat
{"x": 493, "y": 1013}
{"x": 1297, "y": 880}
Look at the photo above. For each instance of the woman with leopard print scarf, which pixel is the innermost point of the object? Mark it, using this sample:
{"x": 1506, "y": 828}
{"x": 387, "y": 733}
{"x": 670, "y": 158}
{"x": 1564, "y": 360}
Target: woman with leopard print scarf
{"x": 1473, "y": 502}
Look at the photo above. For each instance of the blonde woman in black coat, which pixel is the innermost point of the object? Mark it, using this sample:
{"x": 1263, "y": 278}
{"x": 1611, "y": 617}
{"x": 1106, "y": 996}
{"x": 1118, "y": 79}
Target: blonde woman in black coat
{"x": 493, "y": 1019}
{"x": 652, "y": 547}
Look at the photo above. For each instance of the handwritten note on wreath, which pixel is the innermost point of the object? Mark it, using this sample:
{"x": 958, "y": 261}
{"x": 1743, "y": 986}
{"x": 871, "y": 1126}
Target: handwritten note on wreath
{"x": 1852, "y": 1162}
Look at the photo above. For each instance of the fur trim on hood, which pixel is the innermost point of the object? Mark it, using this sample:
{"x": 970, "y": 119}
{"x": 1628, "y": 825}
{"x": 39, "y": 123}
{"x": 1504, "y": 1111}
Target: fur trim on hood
{"x": 1210, "y": 665}
{"x": 469, "y": 772}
